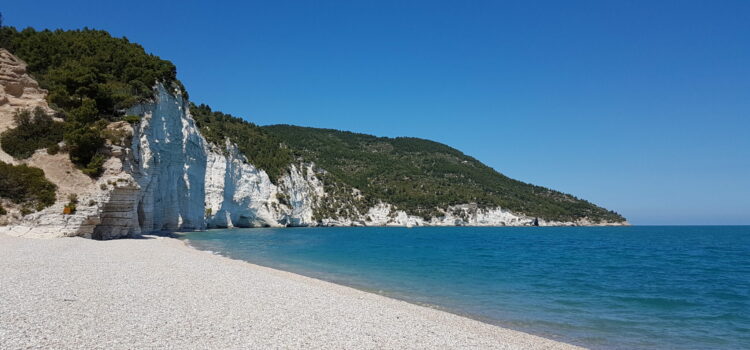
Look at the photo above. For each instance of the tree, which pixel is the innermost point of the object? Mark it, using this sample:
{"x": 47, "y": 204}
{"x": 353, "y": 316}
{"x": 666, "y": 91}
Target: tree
{"x": 83, "y": 143}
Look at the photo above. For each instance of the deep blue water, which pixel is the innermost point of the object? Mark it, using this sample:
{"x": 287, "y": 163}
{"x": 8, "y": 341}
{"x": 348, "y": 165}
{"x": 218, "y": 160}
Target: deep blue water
{"x": 640, "y": 287}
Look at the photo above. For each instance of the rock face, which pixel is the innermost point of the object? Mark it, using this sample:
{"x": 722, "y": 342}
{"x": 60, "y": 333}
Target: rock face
{"x": 170, "y": 178}
{"x": 169, "y": 165}
{"x": 237, "y": 193}
{"x": 17, "y": 89}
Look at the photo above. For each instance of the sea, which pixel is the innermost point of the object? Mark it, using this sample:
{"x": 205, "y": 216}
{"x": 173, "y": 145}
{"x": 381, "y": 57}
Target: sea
{"x": 636, "y": 287}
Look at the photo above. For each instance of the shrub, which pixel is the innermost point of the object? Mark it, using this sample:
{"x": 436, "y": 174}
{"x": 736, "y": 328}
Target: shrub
{"x": 70, "y": 208}
{"x": 95, "y": 167}
{"x": 281, "y": 197}
{"x": 26, "y": 185}
{"x": 35, "y": 129}
{"x": 83, "y": 144}
{"x": 116, "y": 136}
{"x": 132, "y": 119}
{"x": 54, "y": 149}
{"x": 2, "y": 210}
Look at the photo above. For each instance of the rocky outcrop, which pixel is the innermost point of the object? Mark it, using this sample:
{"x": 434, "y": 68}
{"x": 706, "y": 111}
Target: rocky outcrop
{"x": 459, "y": 215}
{"x": 237, "y": 193}
{"x": 303, "y": 191}
{"x": 18, "y": 90}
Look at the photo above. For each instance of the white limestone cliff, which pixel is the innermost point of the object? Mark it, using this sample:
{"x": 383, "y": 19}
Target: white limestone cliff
{"x": 168, "y": 163}
{"x": 168, "y": 177}
{"x": 186, "y": 183}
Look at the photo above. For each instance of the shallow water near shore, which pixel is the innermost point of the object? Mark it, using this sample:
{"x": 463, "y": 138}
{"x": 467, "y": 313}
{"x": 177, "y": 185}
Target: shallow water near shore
{"x": 638, "y": 287}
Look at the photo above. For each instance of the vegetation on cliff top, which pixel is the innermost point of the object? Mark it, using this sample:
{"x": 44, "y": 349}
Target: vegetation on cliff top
{"x": 261, "y": 149}
{"x": 419, "y": 175}
{"x": 91, "y": 76}
{"x": 78, "y": 66}
{"x": 26, "y": 186}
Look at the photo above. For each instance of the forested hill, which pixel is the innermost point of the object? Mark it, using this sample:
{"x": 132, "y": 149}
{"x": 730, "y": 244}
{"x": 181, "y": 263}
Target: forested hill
{"x": 419, "y": 175}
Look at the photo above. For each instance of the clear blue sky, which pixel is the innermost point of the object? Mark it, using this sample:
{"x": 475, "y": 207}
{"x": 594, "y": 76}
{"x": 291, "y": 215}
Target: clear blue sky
{"x": 639, "y": 106}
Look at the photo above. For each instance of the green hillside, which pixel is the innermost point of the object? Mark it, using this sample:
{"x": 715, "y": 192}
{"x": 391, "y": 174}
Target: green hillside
{"x": 420, "y": 175}
{"x": 261, "y": 149}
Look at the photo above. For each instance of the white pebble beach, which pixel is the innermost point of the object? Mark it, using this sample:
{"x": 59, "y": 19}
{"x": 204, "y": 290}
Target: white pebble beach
{"x": 157, "y": 292}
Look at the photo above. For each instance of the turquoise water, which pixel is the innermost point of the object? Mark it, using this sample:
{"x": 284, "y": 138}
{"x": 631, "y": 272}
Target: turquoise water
{"x": 604, "y": 287}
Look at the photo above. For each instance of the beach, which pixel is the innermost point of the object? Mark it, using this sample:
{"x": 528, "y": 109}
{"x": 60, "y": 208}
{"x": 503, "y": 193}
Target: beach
{"x": 157, "y": 292}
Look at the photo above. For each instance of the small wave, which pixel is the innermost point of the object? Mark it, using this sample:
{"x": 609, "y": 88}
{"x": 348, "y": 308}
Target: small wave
{"x": 664, "y": 303}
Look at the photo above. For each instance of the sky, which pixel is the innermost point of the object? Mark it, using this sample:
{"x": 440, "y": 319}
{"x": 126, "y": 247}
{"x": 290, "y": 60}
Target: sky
{"x": 642, "y": 107}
